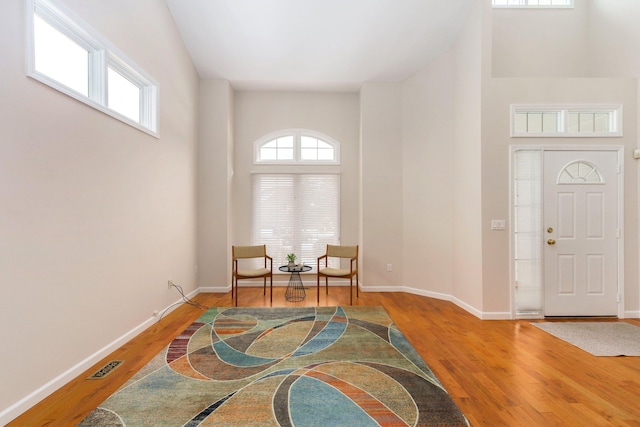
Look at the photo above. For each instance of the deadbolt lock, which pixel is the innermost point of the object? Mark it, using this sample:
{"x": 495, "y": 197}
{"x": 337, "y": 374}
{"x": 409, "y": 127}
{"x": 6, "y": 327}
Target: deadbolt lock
{"x": 549, "y": 230}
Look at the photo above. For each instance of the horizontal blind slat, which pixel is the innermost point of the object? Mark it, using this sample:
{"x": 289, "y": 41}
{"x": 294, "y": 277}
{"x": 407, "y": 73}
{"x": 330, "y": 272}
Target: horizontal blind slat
{"x": 296, "y": 213}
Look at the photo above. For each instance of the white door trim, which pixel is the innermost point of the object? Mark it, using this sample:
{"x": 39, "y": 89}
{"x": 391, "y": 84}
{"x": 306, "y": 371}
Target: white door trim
{"x": 619, "y": 149}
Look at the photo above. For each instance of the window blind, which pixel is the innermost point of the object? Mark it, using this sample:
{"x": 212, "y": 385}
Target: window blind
{"x": 528, "y": 233}
{"x": 296, "y": 213}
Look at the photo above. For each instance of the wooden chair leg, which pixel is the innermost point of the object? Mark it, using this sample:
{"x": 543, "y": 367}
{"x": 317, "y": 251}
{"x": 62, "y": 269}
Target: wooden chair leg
{"x": 270, "y": 289}
{"x": 326, "y": 285}
{"x": 357, "y": 286}
{"x": 318, "y": 280}
{"x": 264, "y": 286}
{"x": 351, "y": 290}
{"x": 233, "y": 290}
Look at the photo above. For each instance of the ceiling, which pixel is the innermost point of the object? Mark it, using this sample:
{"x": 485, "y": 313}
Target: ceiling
{"x": 315, "y": 45}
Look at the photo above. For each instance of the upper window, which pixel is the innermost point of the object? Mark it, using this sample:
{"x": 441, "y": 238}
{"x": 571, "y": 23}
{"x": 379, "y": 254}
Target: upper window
{"x": 71, "y": 57}
{"x": 533, "y": 3}
{"x": 560, "y": 121}
{"x": 297, "y": 146}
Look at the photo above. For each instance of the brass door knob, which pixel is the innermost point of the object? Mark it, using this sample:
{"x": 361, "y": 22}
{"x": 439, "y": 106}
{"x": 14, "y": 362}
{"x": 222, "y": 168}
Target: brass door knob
{"x": 551, "y": 242}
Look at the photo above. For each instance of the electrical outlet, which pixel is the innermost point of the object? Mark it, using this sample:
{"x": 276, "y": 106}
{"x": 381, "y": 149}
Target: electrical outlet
{"x": 389, "y": 267}
{"x": 155, "y": 313}
{"x": 169, "y": 284}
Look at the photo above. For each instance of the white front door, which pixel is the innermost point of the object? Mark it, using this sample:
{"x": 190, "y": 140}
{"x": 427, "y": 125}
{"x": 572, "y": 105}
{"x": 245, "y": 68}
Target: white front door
{"x": 580, "y": 233}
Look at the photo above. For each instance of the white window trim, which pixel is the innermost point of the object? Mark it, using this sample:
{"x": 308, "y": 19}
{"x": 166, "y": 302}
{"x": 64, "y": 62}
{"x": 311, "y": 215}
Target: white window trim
{"x": 526, "y": 5}
{"x": 101, "y": 54}
{"x": 564, "y": 109}
{"x": 148, "y": 92}
{"x": 297, "y": 134}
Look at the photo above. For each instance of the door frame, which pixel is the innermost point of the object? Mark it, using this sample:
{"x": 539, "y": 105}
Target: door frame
{"x": 619, "y": 149}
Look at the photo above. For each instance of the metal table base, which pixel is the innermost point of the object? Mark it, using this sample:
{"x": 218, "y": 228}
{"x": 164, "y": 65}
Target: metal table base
{"x": 295, "y": 289}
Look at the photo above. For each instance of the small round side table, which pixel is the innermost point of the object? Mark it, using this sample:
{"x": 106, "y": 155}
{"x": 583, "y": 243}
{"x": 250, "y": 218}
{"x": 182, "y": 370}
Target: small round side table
{"x": 295, "y": 289}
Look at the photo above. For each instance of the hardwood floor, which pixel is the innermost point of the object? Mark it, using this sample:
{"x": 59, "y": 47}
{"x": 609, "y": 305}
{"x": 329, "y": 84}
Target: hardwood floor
{"x": 500, "y": 373}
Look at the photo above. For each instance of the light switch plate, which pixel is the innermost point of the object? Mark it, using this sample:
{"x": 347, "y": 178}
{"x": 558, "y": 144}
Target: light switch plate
{"x": 498, "y": 224}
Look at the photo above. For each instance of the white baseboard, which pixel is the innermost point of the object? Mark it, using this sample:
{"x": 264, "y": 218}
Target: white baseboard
{"x": 214, "y": 289}
{"x": 445, "y": 297}
{"x": 281, "y": 283}
{"x": 632, "y": 314}
{"x": 73, "y": 372}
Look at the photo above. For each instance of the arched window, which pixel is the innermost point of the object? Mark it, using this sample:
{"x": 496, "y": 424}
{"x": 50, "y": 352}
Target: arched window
{"x": 580, "y": 172}
{"x": 296, "y": 146}
{"x": 296, "y": 201}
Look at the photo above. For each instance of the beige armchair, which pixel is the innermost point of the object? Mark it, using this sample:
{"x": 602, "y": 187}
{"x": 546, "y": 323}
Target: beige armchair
{"x": 348, "y": 252}
{"x": 248, "y": 252}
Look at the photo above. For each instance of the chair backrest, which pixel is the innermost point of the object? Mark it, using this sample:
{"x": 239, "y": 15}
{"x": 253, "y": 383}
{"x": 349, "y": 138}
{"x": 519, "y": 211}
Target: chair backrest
{"x": 248, "y": 251}
{"x": 342, "y": 251}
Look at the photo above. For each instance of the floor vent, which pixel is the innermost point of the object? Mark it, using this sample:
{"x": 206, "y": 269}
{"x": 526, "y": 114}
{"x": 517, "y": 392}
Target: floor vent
{"x": 106, "y": 369}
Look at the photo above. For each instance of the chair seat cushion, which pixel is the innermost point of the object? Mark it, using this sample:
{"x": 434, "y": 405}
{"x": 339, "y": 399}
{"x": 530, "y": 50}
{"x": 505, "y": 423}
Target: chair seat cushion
{"x": 336, "y": 272}
{"x": 254, "y": 273}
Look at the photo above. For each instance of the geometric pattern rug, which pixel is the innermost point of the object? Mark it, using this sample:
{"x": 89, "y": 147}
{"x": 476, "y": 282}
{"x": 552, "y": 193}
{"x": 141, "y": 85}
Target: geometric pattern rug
{"x": 304, "y": 366}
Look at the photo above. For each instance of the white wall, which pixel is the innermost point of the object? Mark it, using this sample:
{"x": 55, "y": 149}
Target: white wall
{"x": 467, "y": 164}
{"x": 215, "y": 171}
{"x": 614, "y": 38}
{"x": 541, "y": 42}
{"x": 260, "y": 113}
{"x": 381, "y": 151}
{"x": 95, "y": 216}
{"x": 427, "y": 178}
{"x": 614, "y": 42}
{"x": 596, "y": 38}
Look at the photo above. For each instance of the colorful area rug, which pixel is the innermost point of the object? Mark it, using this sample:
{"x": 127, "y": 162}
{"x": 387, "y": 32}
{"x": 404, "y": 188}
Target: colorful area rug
{"x": 324, "y": 366}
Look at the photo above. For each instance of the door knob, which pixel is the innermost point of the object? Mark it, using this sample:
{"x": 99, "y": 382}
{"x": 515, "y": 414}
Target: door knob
{"x": 551, "y": 242}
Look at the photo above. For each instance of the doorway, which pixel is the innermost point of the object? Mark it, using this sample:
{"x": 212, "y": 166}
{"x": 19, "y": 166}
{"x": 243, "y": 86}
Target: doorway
{"x": 566, "y": 234}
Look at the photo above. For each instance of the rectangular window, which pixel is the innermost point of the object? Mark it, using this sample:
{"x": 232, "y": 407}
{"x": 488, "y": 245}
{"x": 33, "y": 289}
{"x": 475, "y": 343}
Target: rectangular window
{"x": 527, "y": 232}
{"x": 71, "y": 57}
{"x": 124, "y": 93}
{"x": 50, "y": 45}
{"x": 560, "y": 121}
{"x": 296, "y": 213}
{"x": 315, "y": 149}
{"x": 538, "y": 121}
{"x": 278, "y": 149}
{"x": 533, "y": 3}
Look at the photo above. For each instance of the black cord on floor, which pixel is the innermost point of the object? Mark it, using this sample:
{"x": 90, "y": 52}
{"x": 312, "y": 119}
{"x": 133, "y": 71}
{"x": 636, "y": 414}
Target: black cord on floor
{"x": 185, "y": 300}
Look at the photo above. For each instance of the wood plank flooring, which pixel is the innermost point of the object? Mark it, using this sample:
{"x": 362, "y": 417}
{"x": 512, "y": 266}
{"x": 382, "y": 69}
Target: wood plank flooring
{"x": 500, "y": 373}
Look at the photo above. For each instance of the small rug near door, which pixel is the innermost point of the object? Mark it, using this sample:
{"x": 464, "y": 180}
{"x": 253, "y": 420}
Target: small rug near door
{"x": 306, "y": 366}
{"x": 597, "y": 338}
